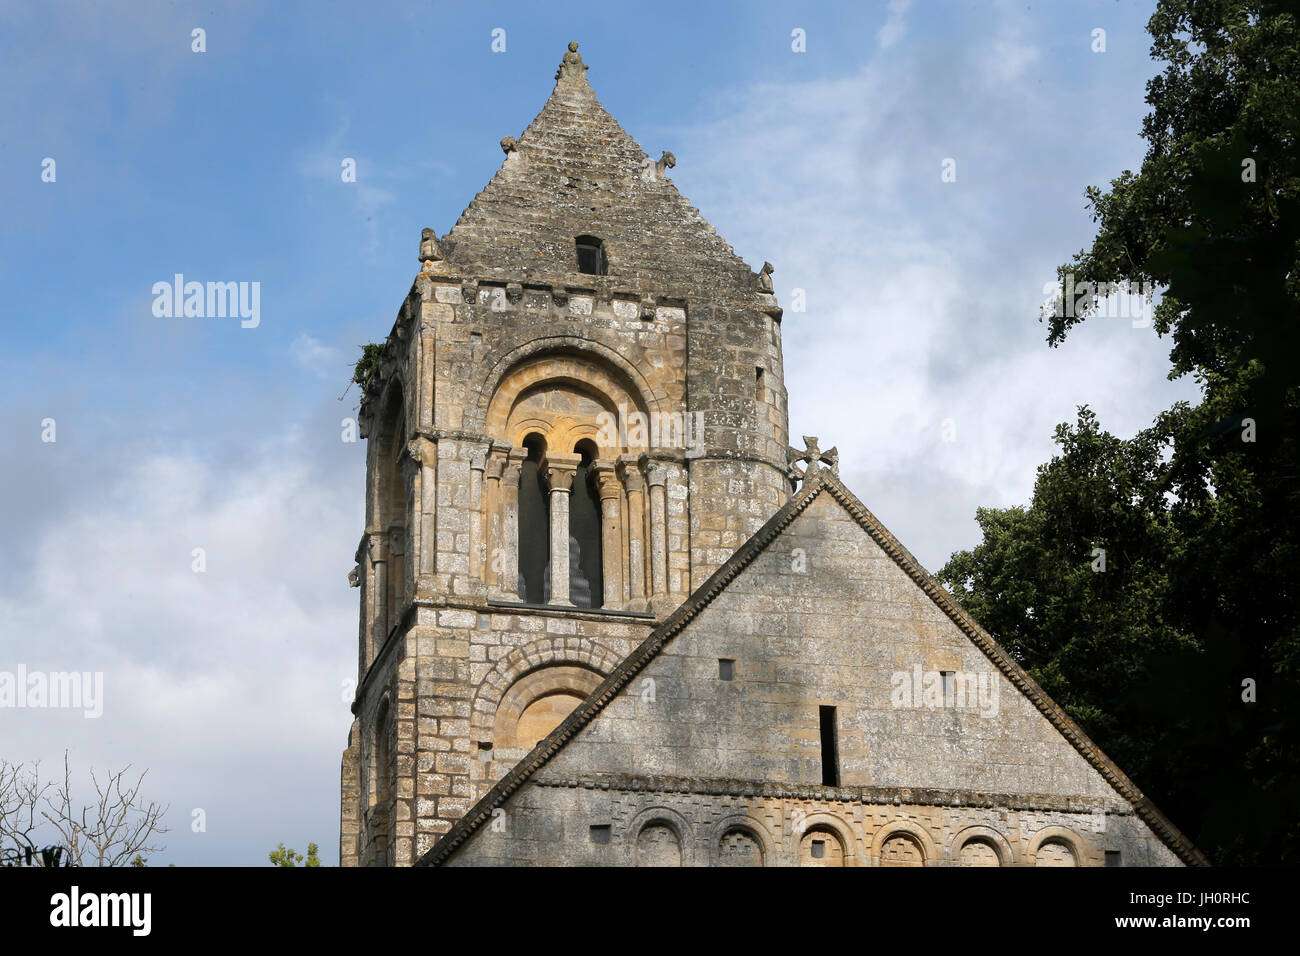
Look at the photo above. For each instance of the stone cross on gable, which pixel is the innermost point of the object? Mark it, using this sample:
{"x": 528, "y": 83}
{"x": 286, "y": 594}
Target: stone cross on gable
{"x": 815, "y": 459}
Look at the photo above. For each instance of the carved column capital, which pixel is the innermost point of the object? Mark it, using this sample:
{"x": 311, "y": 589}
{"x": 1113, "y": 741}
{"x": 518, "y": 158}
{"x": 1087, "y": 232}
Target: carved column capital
{"x": 634, "y": 481}
{"x": 422, "y": 451}
{"x": 607, "y": 481}
{"x": 559, "y": 469}
{"x": 514, "y": 461}
{"x": 629, "y": 468}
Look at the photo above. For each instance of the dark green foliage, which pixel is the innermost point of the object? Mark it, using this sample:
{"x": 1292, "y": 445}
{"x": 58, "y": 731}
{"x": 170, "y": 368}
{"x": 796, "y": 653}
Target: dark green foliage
{"x": 1199, "y": 513}
{"x": 367, "y": 367}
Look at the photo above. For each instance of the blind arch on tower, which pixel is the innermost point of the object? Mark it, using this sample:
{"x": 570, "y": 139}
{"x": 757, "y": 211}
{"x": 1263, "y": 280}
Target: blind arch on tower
{"x": 389, "y": 511}
{"x": 568, "y": 396}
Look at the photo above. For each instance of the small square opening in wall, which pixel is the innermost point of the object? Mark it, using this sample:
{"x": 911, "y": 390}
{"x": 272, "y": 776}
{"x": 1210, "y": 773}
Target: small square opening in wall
{"x": 476, "y": 338}
{"x": 726, "y": 668}
{"x": 1113, "y": 858}
{"x": 591, "y": 256}
{"x": 600, "y": 833}
{"x": 818, "y": 849}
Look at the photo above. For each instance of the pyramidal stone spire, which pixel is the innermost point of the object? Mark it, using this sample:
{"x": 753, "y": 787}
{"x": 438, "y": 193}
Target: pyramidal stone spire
{"x": 574, "y": 172}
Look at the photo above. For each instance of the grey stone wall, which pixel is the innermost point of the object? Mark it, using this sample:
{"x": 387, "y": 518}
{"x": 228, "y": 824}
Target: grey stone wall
{"x": 549, "y": 823}
{"x": 822, "y": 617}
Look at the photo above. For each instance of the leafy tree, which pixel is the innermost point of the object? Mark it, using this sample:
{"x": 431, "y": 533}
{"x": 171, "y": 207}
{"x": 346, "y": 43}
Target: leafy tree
{"x": 281, "y": 856}
{"x": 1201, "y": 510}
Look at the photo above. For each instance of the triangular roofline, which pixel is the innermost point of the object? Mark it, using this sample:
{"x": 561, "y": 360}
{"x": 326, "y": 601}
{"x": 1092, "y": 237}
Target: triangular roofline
{"x": 631, "y": 665}
{"x": 569, "y": 78}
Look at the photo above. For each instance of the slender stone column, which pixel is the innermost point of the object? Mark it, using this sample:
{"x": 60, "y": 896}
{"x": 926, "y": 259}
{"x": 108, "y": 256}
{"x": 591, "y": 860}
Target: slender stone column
{"x": 510, "y": 524}
{"x": 558, "y": 470}
{"x": 379, "y": 599}
{"x": 424, "y": 454}
{"x": 611, "y": 533}
{"x": 496, "y": 462}
{"x": 477, "y": 463}
{"x": 657, "y": 477}
{"x": 399, "y": 574}
{"x": 634, "y": 482}
{"x": 427, "y": 364}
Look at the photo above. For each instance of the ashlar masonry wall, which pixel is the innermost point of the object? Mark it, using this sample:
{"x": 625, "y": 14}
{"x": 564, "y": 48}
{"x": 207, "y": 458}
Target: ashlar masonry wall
{"x": 823, "y": 617}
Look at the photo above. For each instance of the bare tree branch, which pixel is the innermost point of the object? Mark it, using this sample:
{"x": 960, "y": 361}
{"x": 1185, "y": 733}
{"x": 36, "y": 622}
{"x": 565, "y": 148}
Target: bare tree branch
{"x": 20, "y": 792}
{"x": 110, "y": 831}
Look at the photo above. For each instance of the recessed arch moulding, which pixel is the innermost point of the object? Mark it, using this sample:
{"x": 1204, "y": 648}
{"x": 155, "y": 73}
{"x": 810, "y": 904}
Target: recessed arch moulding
{"x": 566, "y": 398}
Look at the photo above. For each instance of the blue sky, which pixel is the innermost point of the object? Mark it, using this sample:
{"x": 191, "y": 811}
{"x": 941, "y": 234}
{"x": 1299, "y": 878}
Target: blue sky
{"x": 175, "y": 433}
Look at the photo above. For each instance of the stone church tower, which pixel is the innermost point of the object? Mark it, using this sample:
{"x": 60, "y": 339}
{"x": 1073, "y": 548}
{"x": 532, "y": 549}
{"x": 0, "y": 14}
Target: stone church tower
{"x": 579, "y": 415}
{"x": 602, "y": 623}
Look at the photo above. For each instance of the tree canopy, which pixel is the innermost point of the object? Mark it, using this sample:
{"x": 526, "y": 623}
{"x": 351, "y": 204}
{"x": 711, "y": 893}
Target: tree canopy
{"x": 1150, "y": 585}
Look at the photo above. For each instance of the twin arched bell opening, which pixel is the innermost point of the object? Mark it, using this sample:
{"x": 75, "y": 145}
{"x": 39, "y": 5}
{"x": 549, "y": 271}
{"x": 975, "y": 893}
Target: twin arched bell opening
{"x": 576, "y": 518}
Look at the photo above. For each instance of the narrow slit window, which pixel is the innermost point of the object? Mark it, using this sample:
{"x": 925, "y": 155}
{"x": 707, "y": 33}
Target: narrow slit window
{"x": 819, "y": 849}
{"x": 949, "y": 679}
{"x": 726, "y": 668}
{"x": 830, "y": 748}
{"x": 591, "y": 256}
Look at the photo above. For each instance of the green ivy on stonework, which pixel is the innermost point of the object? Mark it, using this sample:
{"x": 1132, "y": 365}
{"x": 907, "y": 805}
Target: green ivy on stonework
{"x": 367, "y": 366}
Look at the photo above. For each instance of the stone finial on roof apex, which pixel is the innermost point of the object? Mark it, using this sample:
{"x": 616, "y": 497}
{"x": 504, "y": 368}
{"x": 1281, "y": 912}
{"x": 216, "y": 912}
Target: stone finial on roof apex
{"x": 816, "y": 459}
{"x": 765, "y": 278}
{"x": 571, "y": 66}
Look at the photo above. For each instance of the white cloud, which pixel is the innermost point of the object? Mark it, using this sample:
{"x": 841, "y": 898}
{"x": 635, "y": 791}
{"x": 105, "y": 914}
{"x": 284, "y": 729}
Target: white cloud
{"x": 923, "y": 296}
{"x": 227, "y": 685}
{"x": 895, "y": 24}
{"x": 320, "y": 359}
